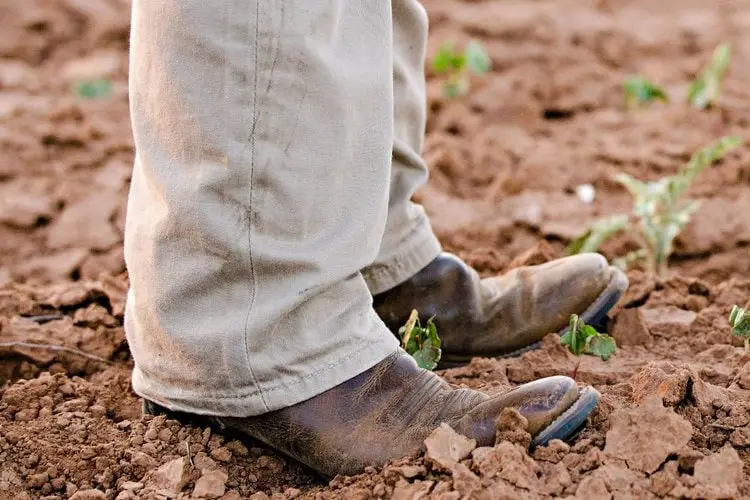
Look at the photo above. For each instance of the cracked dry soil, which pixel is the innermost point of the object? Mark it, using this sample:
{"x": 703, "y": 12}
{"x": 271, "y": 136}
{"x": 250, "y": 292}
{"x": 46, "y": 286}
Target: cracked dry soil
{"x": 674, "y": 421}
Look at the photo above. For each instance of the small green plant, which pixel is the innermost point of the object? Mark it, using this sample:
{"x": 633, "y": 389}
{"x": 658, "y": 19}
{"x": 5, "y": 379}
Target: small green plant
{"x": 584, "y": 339}
{"x": 422, "y": 343}
{"x": 704, "y": 91}
{"x": 659, "y": 212}
{"x": 457, "y": 65}
{"x": 93, "y": 89}
{"x": 637, "y": 91}
{"x": 739, "y": 318}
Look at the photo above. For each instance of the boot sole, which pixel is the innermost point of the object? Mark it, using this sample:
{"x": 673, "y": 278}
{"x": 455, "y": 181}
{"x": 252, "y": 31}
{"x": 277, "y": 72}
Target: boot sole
{"x": 593, "y": 315}
{"x": 571, "y": 422}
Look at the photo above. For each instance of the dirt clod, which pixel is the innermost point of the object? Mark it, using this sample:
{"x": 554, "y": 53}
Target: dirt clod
{"x": 445, "y": 447}
{"x": 644, "y": 436}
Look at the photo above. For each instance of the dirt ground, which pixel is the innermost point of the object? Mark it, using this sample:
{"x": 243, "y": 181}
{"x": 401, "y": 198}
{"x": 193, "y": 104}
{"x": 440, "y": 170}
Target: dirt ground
{"x": 505, "y": 161}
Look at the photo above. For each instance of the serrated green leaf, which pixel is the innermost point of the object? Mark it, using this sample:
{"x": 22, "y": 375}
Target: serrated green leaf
{"x": 477, "y": 59}
{"x": 602, "y": 346}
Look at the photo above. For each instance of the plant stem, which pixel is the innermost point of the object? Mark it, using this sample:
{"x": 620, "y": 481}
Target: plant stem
{"x": 747, "y": 345}
{"x": 662, "y": 268}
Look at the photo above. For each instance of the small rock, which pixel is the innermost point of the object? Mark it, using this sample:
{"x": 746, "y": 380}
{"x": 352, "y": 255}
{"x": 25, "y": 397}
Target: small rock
{"x": 172, "y": 476}
{"x": 37, "y": 480}
{"x": 414, "y": 491}
{"x": 259, "y": 496}
{"x": 630, "y": 328}
{"x": 743, "y": 377}
{"x": 292, "y": 493}
{"x": 55, "y": 266}
{"x": 85, "y": 223}
{"x": 721, "y": 472}
{"x": 211, "y": 484}
{"x": 511, "y": 426}
{"x": 663, "y": 380}
{"x": 668, "y": 315}
{"x": 445, "y": 447}
{"x": 553, "y": 452}
{"x": 231, "y": 495}
{"x": 237, "y": 448}
{"x": 740, "y": 438}
{"x": 405, "y": 471}
{"x": 26, "y": 415}
{"x": 89, "y": 495}
{"x": 646, "y": 435}
{"x": 222, "y": 454}
{"x": 22, "y": 209}
{"x": 593, "y": 487}
{"x": 143, "y": 461}
{"x": 539, "y": 254}
{"x": 131, "y": 486}
{"x": 465, "y": 481}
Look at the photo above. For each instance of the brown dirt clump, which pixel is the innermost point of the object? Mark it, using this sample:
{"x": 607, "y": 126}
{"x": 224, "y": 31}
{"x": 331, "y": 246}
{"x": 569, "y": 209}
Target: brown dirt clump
{"x": 505, "y": 161}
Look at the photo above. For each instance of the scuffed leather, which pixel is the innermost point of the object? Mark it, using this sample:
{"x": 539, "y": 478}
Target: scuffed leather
{"x": 494, "y": 316}
{"x": 389, "y": 410}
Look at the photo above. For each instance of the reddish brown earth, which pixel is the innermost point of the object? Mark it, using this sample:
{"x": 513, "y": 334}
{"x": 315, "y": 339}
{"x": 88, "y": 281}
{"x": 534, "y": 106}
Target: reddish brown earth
{"x": 505, "y": 161}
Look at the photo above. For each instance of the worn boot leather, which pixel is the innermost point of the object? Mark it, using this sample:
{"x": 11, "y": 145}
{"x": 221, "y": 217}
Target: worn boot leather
{"x": 387, "y": 412}
{"x": 501, "y": 315}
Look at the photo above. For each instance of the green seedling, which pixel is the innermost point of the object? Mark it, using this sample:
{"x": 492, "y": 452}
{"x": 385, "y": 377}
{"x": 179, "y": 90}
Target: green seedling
{"x": 659, "y": 212}
{"x": 638, "y": 91}
{"x": 93, "y": 89}
{"x": 584, "y": 339}
{"x": 704, "y": 91}
{"x": 458, "y": 65}
{"x": 739, "y": 318}
{"x": 422, "y": 343}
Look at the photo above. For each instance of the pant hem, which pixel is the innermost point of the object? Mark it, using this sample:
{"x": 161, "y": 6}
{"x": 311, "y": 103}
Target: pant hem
{"x": 413, "y": 254}
{"x": 239, "y": 402}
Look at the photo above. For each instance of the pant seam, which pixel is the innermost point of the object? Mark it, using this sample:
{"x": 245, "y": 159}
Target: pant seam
{"x": 254, "y": 284}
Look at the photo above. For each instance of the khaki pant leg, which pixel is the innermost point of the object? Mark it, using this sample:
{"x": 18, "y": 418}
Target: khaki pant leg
{"x": 408, "y": 243}
{"x": 263, "y": 134}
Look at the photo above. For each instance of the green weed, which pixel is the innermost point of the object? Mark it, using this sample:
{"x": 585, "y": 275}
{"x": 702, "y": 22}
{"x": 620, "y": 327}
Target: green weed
{"x": 458, "y": 65}
{"x": 659, "y": 212}
{"x": 739, "y": 318}
{"x": 704, "y": 91}
{"x": 584, "y": 339}
{"x": 637, "y": 91}
{"x": 93, "y": 89}
{"x": 422, "y": 343}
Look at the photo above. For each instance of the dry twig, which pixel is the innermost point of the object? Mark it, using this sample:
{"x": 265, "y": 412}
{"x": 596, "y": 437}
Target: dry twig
{"x": 58, "y": 348}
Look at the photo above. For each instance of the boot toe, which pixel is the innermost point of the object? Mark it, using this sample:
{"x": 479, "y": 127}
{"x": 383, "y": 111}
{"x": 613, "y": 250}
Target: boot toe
{"x": 541, "y": 402}
{"x": 544, "y": 400}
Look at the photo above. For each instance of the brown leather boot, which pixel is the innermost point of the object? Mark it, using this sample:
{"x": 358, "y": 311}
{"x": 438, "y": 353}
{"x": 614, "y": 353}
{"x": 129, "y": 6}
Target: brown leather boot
{"x": 504, "y": 315}
{"x": 389, "y": 410}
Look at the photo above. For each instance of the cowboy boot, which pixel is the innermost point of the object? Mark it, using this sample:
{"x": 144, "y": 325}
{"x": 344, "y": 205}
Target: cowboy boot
{"x": 388, "y": 411}
{"x": 505, "y": 315}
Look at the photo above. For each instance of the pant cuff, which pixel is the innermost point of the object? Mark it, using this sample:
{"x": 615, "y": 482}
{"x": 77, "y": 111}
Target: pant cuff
{"x": 250, "y": 401}
{"x": 409, "y": 257}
